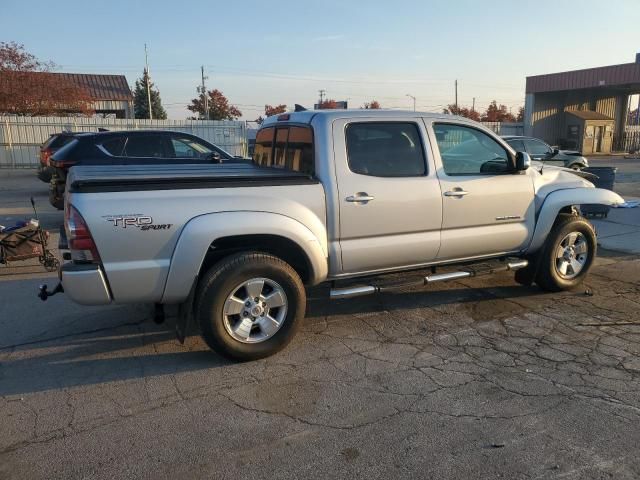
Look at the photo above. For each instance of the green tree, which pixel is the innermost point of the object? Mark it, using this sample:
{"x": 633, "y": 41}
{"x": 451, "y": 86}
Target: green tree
{"x": 218, "y": 105}
{"x": 141, "y": 100}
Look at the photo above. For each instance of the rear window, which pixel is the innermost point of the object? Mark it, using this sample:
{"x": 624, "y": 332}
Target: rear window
{"x": 62, "y": 153}
{"x": 286, "y": 146}
{"x": 57, "y": 141}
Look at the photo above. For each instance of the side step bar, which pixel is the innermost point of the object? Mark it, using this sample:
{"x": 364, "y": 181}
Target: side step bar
{"x": 357, "y": 291}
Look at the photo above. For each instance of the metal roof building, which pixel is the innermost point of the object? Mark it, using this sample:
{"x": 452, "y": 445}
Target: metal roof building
{"x": 602, "y": 90}
{"x": 109, "y": 95}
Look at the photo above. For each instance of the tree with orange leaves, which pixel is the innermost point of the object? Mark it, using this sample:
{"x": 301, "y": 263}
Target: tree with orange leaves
{"x": 29, "y": 87}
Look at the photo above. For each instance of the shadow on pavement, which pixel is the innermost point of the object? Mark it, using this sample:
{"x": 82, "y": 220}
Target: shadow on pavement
{"x": 145, "y": 350}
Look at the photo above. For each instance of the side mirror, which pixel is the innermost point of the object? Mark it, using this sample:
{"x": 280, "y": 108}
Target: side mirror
{"x": 215, "y": 157}
{"x": 523, "y": 161}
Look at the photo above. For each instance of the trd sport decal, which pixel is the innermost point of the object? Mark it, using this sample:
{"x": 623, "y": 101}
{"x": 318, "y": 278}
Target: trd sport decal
{"x": 143, "y": 222}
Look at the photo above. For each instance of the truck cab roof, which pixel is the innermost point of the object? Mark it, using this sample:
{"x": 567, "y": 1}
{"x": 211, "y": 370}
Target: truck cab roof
{"x": 307, "y": 116}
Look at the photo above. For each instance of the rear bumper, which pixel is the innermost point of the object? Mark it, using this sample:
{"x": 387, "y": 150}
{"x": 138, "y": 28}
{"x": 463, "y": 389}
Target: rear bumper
{"x": 44, "y": 173}
{"x": 85, "y": 284}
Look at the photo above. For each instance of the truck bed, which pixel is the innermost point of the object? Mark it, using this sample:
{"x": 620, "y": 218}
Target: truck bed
{"x": 118, "y": 178}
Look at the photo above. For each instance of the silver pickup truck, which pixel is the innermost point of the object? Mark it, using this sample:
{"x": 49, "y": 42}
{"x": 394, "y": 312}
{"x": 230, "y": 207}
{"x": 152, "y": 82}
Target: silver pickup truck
{"x": 331, "y": 196}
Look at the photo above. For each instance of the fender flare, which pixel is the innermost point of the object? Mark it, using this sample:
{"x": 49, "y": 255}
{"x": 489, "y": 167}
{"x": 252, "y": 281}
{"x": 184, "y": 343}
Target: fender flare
{"x": 200, "y": 232}
{"x": 556, "y": 201}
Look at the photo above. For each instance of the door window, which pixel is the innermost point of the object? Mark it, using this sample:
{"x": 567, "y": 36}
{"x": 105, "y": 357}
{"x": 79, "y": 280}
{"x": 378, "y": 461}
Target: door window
{"x": 535, "y": 147}
{"x": 385, "y": 149}
{"x": 517, "y": 145}
{"x": 467, "y": 151}
{"x": 188, "y": 148}
{"x": 149, "y": 146}
{"x": 114, "y": 146}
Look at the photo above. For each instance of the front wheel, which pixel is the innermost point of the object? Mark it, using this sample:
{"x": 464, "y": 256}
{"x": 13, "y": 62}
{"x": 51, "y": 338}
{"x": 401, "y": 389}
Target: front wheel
{"x": 250, "y": 305}
{"x": 567, "y": 255}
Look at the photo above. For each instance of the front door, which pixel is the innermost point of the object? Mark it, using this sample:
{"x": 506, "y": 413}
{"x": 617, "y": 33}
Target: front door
{"x": 389, "y": 200}
{"x": 487, "y": 208}
{"x": 597, "y": 139}
{"x": 542, "y": 152}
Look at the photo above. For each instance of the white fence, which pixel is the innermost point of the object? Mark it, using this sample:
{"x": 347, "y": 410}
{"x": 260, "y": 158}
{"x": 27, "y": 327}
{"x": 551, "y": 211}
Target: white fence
{"x": 504, "y": 128}
{"x": 21, "y": 137}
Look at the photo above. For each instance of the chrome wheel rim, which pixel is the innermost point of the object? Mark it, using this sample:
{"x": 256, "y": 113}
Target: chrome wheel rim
{"x": 572, "y": 255}
{"x": 255, "y": 310}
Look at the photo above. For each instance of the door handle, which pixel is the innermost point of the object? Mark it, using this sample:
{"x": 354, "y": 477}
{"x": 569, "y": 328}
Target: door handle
{"x": 456, "y": 193}
{"x": 360, "y": 197}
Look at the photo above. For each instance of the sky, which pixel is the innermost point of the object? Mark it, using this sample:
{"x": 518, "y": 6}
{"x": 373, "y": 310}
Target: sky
{"x": 281, "y": 51}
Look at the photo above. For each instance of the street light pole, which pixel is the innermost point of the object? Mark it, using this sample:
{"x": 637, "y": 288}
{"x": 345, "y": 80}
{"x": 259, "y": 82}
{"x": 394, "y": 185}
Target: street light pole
{"x": 414, "y": 101}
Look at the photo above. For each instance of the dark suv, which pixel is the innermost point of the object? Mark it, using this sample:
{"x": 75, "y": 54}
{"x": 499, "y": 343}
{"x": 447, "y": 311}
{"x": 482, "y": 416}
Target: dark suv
{"x": 54, "y": 143}
{"x": 138, "y": 147}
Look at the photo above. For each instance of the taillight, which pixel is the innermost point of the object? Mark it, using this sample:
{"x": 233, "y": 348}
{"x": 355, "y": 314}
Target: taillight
{"x": 62, "y": 163}
{"x": 83, "y": 248}
{"x": 45, "y": 155}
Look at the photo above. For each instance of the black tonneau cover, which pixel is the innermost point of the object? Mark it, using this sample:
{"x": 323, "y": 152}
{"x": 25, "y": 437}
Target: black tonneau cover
{"x": 118, "y": 178}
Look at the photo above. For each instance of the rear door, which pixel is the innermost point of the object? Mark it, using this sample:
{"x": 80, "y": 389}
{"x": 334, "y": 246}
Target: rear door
{"x": 487, "y": 208}
{"x": 389, "y": 201}
{"x": 147, "y": 148}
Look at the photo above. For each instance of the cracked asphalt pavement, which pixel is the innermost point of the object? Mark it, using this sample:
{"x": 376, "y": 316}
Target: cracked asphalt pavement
{"x": 473, "y": 379}
{"x": 478, "y": 378}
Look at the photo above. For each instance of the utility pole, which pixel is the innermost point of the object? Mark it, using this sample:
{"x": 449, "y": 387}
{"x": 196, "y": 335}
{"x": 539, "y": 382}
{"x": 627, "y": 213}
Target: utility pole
{"x": 322, "y": 94}
{"x": 203, "y": 89}
{"x": 456, "y": 96}
{"x": 146, "y": 62}
{"x": 473, "y": 105}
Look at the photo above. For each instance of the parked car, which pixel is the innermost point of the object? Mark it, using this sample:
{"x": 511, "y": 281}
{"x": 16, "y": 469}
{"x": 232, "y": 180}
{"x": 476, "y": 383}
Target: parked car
{"x": 539, "y": 150}
{"x": 138, "y": 147}
{"x": 55, "y": 142}
{"x": 332, "y": 196}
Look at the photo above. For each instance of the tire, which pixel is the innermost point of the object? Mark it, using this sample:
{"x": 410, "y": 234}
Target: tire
{"x": 557, "y": 273}
{"x": 55, "y": 199}
{"x": 44, "y": 174}
{"x": 240, "y": 328}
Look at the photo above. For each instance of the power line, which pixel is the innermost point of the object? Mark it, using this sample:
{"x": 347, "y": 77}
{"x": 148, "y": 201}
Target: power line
{"x": 278, "y": 75}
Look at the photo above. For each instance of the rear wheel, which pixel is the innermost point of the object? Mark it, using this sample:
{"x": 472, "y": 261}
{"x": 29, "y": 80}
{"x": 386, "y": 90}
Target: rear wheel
{"x": 567, "y": 255}
{"x": 56, "y": 198}
{"x": 250, "y": 305}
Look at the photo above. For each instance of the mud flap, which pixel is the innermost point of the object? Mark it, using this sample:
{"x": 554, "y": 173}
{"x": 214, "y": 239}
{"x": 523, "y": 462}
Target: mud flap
{"x": 185, "y": 314}
{"x": 527, "y": 276}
